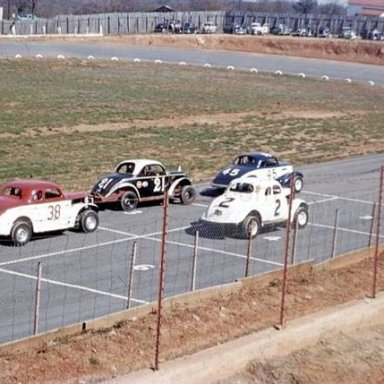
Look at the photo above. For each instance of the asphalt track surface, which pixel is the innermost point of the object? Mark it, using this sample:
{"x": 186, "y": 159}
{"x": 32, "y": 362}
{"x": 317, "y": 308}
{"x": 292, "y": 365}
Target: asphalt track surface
{"x": 86, "y": 275}
{"x": 334, "y": 70}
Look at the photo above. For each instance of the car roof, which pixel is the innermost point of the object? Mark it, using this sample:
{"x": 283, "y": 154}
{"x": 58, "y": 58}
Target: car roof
{"x": 31, "y": 184}
{"x": 140, "y": 163}
{"x": 256, "y": 155}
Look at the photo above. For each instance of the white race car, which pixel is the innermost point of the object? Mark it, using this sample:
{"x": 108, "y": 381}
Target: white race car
{"x": 248, "y": 204}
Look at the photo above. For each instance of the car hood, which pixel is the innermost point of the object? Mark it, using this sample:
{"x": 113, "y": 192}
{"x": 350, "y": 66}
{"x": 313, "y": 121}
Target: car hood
{"x": 7, "y": 202}
{"x": 229, "y": 208}
{"x": 105, "y": 183}
{"x": 226, "y": 175}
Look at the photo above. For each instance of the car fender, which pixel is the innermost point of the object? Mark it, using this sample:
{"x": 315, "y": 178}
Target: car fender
{"x": 285, "y": 179}
{"x": 233, "y": 209}
{"x": 8, "y": 219}
{"x": 296, "y": 203}
{"x": 176, "y": 183}
{"x": 123, "y": 185}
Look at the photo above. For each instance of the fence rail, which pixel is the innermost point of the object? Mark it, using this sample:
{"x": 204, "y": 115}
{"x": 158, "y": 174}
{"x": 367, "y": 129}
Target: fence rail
{"x": 142, "y": 23}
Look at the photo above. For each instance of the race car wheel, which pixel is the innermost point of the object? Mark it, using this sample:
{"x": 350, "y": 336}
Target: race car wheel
{"x": 250, "y": 227}
{"x": 21, "y": 232}
{"x": 89, "y": 221}
{"x": 187, "y": 195}
{"x": 301, "y": 217}
{"x": 129, "y": 201}
{"x": 298, "y": 184}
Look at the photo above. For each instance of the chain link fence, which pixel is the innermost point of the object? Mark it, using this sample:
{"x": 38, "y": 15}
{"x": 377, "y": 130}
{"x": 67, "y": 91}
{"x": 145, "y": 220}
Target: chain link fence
{"x": 142, "y": 23}
{"x": 72, "y": 277}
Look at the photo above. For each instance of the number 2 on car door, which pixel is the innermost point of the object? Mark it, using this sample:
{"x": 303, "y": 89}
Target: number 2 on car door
{"x": 277, "y": 208}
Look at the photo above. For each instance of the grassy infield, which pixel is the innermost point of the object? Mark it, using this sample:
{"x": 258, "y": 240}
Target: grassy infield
{"x": 300, "y": 120}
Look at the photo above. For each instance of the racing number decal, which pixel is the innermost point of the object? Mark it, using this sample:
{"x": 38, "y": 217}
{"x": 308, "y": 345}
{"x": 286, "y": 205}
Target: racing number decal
{"x": 159, "y": 185}
{"x": 232, "y": 172}
{"x": 53, "y": 212}
{"x": 104, "y": 183}
{"x": 272, "y": 173}
{"x": 277, "y": 209}
{"x": 225, "y": 203}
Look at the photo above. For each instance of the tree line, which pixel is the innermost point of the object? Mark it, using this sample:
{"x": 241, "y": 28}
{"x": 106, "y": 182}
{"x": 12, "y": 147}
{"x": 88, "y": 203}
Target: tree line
{"x": 52, "y": 8}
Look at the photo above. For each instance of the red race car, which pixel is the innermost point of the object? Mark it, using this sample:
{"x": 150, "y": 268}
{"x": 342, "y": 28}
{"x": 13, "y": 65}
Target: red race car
{"x": 29, "y": 207}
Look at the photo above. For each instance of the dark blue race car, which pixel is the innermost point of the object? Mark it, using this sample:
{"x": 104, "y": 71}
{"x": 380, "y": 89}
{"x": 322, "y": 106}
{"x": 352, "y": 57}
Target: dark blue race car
{"x": 262, "y": 166}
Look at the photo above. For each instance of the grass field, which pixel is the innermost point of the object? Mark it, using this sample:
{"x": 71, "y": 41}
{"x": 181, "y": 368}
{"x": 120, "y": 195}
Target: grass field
{"x": 71, "y": 121}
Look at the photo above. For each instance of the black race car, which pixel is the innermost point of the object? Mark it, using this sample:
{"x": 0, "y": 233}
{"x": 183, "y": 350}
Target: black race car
{"x": 135, "y": 181}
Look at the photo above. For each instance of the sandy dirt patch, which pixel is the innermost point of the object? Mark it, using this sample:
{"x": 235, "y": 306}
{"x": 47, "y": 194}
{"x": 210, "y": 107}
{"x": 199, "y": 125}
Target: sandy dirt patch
{"x": 188, "y": 328}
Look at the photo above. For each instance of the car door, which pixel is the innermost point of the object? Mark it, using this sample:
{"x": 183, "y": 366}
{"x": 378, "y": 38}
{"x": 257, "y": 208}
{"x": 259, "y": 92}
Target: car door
{"x": 279, "y": 204}
{"x": 151, "y": 182}
{"x": 52, "y": 210}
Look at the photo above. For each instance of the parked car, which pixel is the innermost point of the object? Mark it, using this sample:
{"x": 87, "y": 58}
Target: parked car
{"x": 262, "y": 166}
{"x": 163, "y": 27}
{"x": 258, "y": 29}
{"x": 29, "y": 207}
{"x": 235, "y": 28}
{"x": 209, "y": 27}
{"x": 323, "y": 32}
{"x": 249, "y": 204}
{"x": 374, "y": 34}
{"x": 142, "y": 180}
{"x": 303, "y": 32}
{"x": 189, "y": 28}
{"x": 347, "y": 33}
{"x": 281, "y": 29}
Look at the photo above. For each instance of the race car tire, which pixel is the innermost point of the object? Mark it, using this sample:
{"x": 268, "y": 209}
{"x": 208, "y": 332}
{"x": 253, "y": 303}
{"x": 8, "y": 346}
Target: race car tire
{"x": 301, "y": 217}
{"x": 298, "y": 183}
{"x": 89, "y": 221}
{"x": 187, "y": 195}
{"x": 21, "y": 232}
{"x": 129, "y": 201}
{"x": 250, "y": 227}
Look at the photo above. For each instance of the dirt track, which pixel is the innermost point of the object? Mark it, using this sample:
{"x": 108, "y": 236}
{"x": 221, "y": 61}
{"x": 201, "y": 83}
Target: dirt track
{"x": 363, "y": 51}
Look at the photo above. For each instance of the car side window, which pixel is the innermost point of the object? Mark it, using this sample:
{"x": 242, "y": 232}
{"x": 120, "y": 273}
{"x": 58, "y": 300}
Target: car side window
{"x": 52, "y": 193}
{"x": 126, "y": 168}
{"x": 276, "y": 190}
{"x": 156, "y": 170}
{"x": 271, "y": 162}
{"x": 37, "y": 196}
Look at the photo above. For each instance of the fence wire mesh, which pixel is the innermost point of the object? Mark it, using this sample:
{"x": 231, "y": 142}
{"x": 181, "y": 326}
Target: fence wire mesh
{"x": 86, "y": 276}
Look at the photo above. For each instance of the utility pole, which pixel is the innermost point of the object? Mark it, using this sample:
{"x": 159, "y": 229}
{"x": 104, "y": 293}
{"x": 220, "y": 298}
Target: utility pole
{"x": 9, "y": 10}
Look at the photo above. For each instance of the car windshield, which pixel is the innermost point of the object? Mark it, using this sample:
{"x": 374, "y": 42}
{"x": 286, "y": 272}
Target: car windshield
{"x": 241, "y": 187}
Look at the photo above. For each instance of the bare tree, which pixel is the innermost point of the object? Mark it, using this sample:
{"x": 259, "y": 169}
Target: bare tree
{"x": 305, "y": 6}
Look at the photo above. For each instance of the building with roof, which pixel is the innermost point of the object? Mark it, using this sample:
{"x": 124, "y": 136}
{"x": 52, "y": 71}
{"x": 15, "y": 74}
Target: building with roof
{"x": 365, "y": 8}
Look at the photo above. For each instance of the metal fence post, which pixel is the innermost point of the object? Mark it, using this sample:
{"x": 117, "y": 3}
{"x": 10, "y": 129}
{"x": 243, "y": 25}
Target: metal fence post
{"x": 161, "y": 278}
{"x": 194, "y": 261}
{"x": 372, "y": 225}
{"x": 37, "y": 299}
{"x": 376, "y": 255}
{"x": 294, "y": 240}
{"x": 334, "y": 240}
{"x": 130, "y": 277}
{"x": 249, "y": 252}
{"x": 286, "y": 251}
